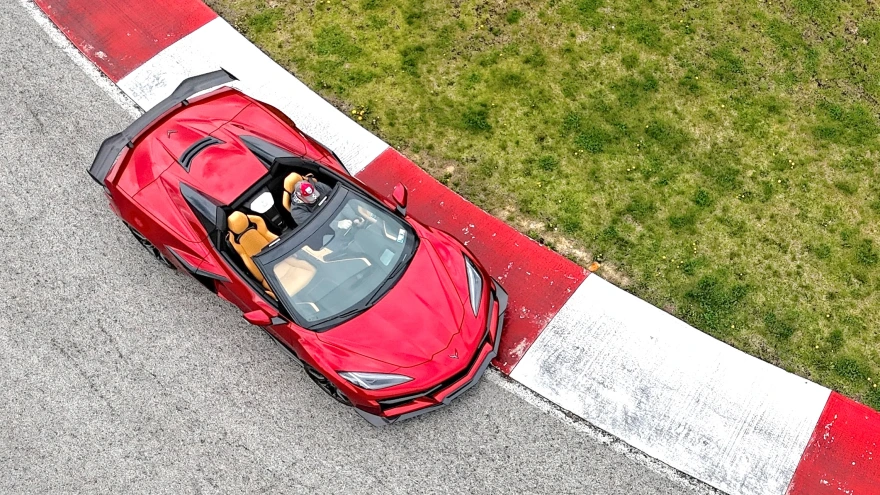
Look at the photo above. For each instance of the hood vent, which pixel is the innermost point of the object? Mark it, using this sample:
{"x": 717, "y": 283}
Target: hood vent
{"x": 194, "y": 149}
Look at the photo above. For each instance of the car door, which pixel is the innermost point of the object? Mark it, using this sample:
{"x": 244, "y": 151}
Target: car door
{"x": 251, "y": 300}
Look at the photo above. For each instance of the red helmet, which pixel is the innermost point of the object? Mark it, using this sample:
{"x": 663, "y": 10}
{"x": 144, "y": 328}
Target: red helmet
{"x": 305, "y": 192}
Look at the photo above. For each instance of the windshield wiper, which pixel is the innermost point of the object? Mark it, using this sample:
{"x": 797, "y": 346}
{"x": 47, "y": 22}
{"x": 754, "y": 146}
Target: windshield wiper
{"x": 391, "y": 276}
{"x": 346, "y": 314}
{"x": 336, "y": 319}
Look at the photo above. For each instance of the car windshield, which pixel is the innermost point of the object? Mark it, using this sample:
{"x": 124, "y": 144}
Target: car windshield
{"x": 342, "y": 261}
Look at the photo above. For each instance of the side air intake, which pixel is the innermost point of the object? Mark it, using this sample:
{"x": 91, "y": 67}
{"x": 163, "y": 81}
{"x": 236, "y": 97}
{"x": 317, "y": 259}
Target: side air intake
{"x": 207, "y": 209}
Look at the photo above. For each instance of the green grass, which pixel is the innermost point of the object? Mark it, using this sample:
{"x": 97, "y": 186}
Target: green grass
{"x": 721, "y": 159}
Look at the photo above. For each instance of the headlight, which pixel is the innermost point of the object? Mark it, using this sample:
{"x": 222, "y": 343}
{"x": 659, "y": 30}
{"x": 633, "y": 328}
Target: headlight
{"x": 475, "y": 284}
{"x": 373, "y": 381}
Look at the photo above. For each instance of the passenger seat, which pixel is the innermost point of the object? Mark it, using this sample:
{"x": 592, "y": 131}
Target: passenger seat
{"x": 248, "y": 235}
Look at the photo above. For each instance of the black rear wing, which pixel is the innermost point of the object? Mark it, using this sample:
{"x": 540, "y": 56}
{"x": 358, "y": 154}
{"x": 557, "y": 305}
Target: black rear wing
{"x": 112, "y": 146}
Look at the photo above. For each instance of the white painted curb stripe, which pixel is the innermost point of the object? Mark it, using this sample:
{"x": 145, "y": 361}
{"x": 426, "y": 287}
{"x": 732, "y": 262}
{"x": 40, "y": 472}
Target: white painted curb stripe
{"x": 673, "y": 392}
{"x": 216, "y": 45}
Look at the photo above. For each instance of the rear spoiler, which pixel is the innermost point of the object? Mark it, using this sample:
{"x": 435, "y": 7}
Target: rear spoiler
{"x": 112, "y": 146}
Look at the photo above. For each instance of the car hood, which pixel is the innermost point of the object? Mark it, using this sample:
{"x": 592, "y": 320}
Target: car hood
{"x": 414, "y": 321}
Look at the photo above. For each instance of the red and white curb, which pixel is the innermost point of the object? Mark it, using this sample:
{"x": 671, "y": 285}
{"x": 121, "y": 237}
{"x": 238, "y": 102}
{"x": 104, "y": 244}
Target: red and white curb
{"x": 669, "y": 390}
{"x": 677, "y": 394}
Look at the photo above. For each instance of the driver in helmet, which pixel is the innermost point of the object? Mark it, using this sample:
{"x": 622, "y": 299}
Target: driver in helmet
{"x": 305, "y": 199}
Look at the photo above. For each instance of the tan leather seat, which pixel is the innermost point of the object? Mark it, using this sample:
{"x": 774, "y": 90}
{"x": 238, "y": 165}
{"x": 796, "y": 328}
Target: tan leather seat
{"x": 289, "y": 183}
{"x": 294, "y": 274}
{"x": 248, "y": 235}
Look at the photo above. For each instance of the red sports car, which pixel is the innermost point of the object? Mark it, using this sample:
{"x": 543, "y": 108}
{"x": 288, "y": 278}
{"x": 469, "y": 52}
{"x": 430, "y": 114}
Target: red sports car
{"x": 385, "y": 314}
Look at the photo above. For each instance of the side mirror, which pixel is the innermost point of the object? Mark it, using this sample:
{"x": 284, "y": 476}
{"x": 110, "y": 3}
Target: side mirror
{"x": 258, "y": 318}
{"x": 399, "y": 196}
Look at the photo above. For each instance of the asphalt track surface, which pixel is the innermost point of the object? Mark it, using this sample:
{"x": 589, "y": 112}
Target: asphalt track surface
{"x": 118, "y": 375}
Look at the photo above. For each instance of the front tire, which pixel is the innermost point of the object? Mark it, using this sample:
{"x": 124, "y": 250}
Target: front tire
{"x": 326, "y": 385}
{"x": 153, "y": 250}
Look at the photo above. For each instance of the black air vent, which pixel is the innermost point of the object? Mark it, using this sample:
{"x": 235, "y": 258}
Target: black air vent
{"x": 194, "y": 149}
{"x": 266, "y": 152}
{"x": 207, "y": 209}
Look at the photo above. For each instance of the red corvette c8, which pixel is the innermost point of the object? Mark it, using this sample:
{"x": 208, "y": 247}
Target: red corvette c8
{"x": 385, "y": 314}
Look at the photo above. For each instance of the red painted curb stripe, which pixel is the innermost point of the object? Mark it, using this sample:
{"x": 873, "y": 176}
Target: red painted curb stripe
{"x": 538, "y": 280}
{"x": 118, "y": 36}
{"x": 843, "y": 455}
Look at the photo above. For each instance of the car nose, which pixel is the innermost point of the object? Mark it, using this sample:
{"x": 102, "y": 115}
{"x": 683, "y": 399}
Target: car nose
{"x": 456, "y": 356}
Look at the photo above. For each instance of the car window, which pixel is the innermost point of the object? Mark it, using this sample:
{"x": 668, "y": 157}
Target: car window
{"x": 343, "y": 264}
